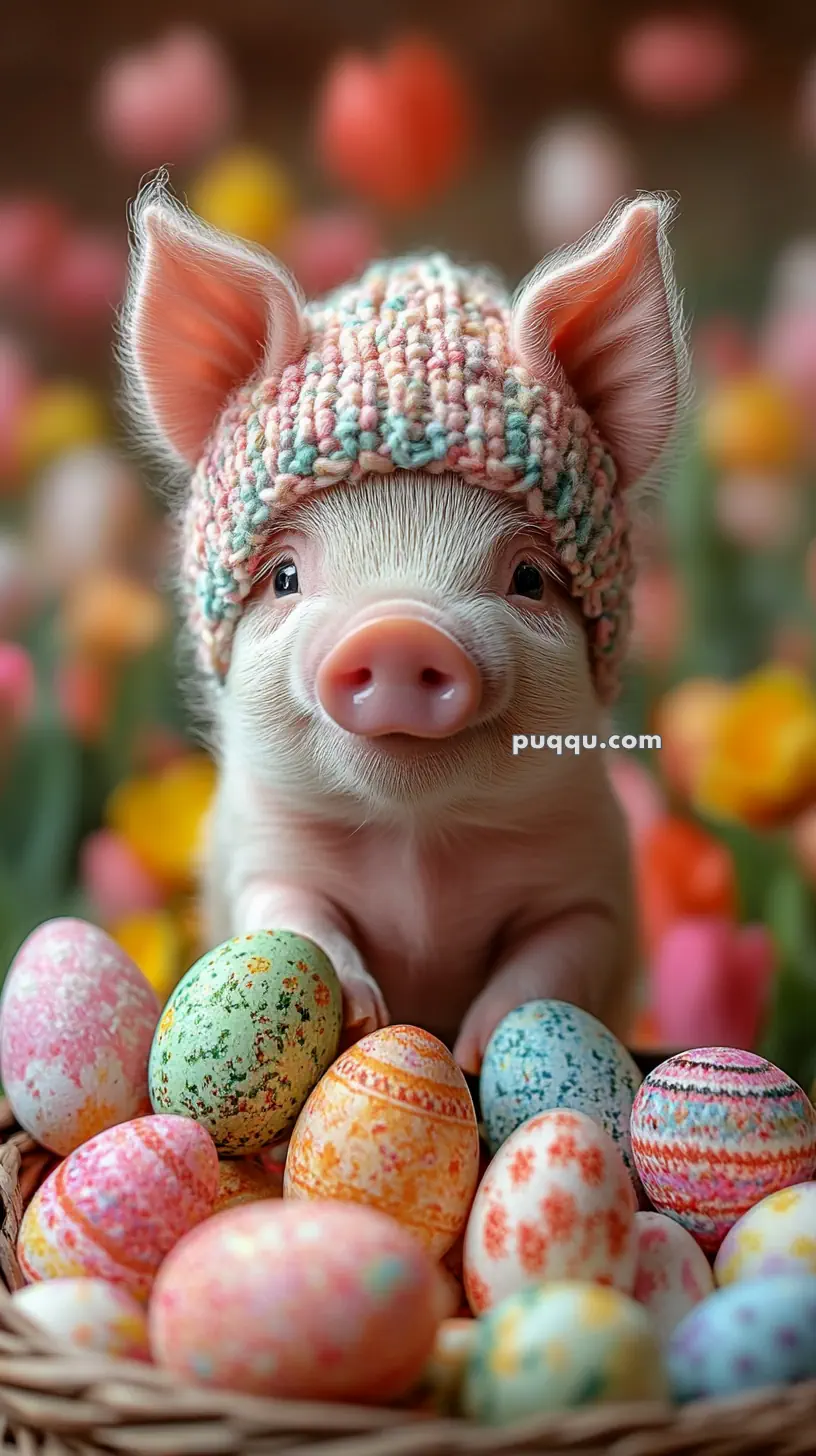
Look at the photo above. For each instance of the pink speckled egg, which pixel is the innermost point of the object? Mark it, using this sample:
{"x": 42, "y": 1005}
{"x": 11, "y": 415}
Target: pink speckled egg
{"x": 673, "y": 1274}
{"x": 391, "y": 1124}
{"x": 556, "y": 1203}
{"x": 328, "y": 1302}
{"x": 114, "y": 1208}
{"x": 89, "y": 1314}
{"x": 77, "y": 1019}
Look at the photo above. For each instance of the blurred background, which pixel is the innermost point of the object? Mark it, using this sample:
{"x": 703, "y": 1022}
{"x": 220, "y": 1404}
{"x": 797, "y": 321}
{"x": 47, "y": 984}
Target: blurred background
{"x": 331, "y": 133}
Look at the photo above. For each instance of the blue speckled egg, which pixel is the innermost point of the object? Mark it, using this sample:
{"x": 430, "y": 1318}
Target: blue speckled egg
{"x": 548, "y": 1054}
{"x": 752, "y": 1334}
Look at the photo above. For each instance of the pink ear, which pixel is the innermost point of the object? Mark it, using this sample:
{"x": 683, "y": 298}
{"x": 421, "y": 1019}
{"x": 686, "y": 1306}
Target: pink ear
{"x": 205, "y": 313}
{"x": 598, "y": 324}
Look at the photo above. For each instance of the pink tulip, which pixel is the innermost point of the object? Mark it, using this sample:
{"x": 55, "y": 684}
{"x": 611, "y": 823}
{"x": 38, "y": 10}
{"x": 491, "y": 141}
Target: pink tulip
{"x": 679, "y": 64}
{"x": 87, "y": 279}
{"x": 17, "y": 684}
{"x": 115, "y": 882}
{"x": 326, "y": 249}
{"x": 32, "y": 230}
{"x": 576, "y": 170}
{"x": 711, "y": 982}
{"x": 788, "y": 352}
{"x": 657, "y": 615}
{"x": 757, "y": 509}
{"x": 722, "y": 348}
{"x": 639, "y": 793}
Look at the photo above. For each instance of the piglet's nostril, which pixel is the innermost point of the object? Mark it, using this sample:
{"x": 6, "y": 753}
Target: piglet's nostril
{"x": 432, "y": 678}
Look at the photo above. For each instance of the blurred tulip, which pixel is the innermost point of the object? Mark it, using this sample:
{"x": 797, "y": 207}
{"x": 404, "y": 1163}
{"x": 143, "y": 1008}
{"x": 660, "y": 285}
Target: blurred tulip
{"x": 108, "y": 617}
{"x": 20, "y": 585}
{"x": 576, "y": 171}
{"x": 793, "y": 644}
{"x": 326, "y": 249}
{"x": 17, "y": 684}
{"x": 245, "y": 193}
{"x": 638, "y": 793}
{"x": 803, "y": 839}
{"x": 32, "y": 230}
{"x": 395, "y": 129}
{"x": 793, "y": 281}
{"x": 722, "y": 349}
{"x": 761, "y": 764}
{"x": 162, "y": 817}
{"x": 58, "y": 418}
{"x": 680, "y": 64}
{"x": 644, "y": 1035}
{"x": 155, "y": 748}
{"x": 151, "y": 939}
{"x": 16, "y": 389}
{"x": 87, "y": 512}
{"x": 86, "y": 281}
{"x": 810, "y": 572}
{"x": 751, "y": 423}
{"x": 114, "y": 880}
{"x": 788, "y": 353}
{"x": 657, "y": 615}
{"x": 711, "y": 982}
{"x": 168, "y": 101}
{"x": 84, "y": 693}
{"x": 682, "y": 871}
{"x": 758, "y": 510}
{"x": 685, "y": 719}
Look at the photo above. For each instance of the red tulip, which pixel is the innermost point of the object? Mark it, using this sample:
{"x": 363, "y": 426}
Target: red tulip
{"x": 710, "y": 983}
{"x": 638, "y": 792}
{"x": 683, "y": 872}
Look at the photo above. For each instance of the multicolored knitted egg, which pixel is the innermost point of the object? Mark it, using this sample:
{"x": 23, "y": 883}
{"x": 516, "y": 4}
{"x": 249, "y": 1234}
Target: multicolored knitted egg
{"x": 245, "y": 1036}
{"x": 330, "y": 1302}
{"x": 116, "y": 1206}
{"x": 714, "y": 1131}
{"x": 76, "y": 1022}
{"x": 756, "y": 1333}
{"x": 556, "y": 1203}
{"x": 240, "y": 1180}
{"x": 776, "y": 1236}
{"x": 673, "y": 1274}
{"x": 549, "y": 1054}
{"x": 559, "y": 1346}
{"x": 89, "y": 1314}
{"x": 391, "y": 1124}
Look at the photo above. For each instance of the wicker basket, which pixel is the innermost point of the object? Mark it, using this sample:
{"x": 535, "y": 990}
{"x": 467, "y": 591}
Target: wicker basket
{"x": 56, "y": 1401}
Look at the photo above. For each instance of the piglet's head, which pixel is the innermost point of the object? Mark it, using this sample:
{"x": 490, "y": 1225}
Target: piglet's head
{"x": 377, "y": 625}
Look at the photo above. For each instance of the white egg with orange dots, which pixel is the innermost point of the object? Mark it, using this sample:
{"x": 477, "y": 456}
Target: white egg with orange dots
{"x": 89, "y": 1314}
{"x": 391, "y": 1124}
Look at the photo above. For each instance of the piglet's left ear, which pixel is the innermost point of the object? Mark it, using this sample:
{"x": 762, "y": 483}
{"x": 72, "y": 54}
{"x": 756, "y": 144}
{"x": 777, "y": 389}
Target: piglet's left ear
{"x": 600, "y": 325}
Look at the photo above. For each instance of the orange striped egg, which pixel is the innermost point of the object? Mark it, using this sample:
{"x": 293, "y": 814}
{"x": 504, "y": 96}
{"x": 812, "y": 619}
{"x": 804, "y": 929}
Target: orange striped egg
{"x": 391, "y": 1124}
{"x": 117, "y": 1205}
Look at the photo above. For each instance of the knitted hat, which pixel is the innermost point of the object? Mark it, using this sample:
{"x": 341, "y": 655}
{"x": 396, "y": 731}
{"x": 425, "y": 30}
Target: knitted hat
{"x": 416, "y": 366}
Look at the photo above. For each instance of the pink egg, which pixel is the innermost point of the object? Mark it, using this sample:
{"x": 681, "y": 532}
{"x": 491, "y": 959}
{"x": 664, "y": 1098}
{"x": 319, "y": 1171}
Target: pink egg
{"x": 681, "y": 64}
{"x": 115, "y": 1207}
{"x": 326, "y": 249}
{"x": 556, "y": 1203}
{"x": 86, "y": 281}
{"x": 576, "y": 171}
{"x": 32, "y": 230}
{"x": 115, "y": 882}
{"x": 328, "y": 1302}
{"x": 673, "y": 1273}
{"x": 89, "y": 1314}
{"x": 77, "y": 1019}
{"x": 168, "y": 102}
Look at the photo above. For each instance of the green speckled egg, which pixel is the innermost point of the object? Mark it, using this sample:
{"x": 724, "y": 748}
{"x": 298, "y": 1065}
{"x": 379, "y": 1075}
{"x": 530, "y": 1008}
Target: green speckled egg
{"x": 245, "y": 1036}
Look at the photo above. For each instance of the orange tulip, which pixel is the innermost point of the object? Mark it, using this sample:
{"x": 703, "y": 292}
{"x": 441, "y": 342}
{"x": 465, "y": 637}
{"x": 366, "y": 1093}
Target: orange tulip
{"x": 685, "y": 719}
{"x": 109, "y": 618}
{"x": 682, "y": 872}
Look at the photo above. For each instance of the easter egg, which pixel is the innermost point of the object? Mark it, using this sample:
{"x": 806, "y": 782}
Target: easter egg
{"x": 76, "y": 1022}
{"x": 776, "y": 1236}
{"x": 242, "y": 1181}
{"x": 549, "y": 1054}
{"x": 556, "y": 1203}
{"x": 116, "y": 1206}
{"x": 557, "y": 1347}
{"x": 392, "y": 1124}
{"x": 245, "y": 1036}
{"x": 89, "y": 1314}
{"x": 756, "y": 1333}
{"x": 330, "y": 1302}
{"x": 714, "y": 1131}
{"x": 672, "y": 1274}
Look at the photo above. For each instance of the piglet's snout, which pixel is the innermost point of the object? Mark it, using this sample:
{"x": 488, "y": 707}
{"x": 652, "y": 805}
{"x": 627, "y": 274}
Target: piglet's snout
{"x": 399, "y": 675}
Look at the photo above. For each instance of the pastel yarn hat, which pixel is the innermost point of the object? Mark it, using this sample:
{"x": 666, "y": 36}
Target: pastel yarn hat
{"x": 562, "y": 397}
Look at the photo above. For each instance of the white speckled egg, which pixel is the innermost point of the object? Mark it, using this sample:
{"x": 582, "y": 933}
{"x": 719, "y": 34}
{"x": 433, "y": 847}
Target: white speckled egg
{"x": 549, "y": 1054}
{"x": 755, "y": 1333}
{"x": 89, "y": 1314}
{"x": 245, "y": 1036}
{"x": 76, "y": 1021}
{"x": 776, "y": 1236}
{"x": 673, "y": 1274}
{"x": 558, "y": 1347}
{"x": 556, "y": 1203}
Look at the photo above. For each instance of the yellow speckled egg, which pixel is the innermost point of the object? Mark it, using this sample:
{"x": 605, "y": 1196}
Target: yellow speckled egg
{"x": 90, "y": 1314}
{"x": 775, "y": 1237}
{"x": 391, "y": 1124}
{"x": 242, "y": 1181}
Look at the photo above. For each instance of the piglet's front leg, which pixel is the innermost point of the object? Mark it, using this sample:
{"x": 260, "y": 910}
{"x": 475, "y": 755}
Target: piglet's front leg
{"x": 269, "y": 906}
{"x": 582, "y": 957}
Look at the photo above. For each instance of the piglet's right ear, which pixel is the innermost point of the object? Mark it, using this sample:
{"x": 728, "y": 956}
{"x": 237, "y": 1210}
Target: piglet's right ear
{"x": 205, "y": 312}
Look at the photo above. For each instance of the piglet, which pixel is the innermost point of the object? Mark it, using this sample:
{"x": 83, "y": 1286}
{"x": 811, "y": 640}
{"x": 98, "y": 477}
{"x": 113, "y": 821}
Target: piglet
{"x": 405, "y": 543}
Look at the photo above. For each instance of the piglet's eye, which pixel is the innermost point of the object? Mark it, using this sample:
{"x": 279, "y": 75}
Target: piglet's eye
{"x": 286, "y": 580}
{"x": 528, "y": 581}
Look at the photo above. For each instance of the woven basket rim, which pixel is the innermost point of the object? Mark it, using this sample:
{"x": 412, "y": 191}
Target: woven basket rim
{"x": 72, "y": 1402}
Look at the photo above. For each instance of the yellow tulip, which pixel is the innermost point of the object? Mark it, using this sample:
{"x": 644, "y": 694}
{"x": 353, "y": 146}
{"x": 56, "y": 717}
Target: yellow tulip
{"x": 152, "y": 940}
{"x": 162, "y": 818}
{"x": 751, "y": 423}
{"x": 761, "y": 764}
{"x": 245, "y": 193}
{"x": 60, "y": 417}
